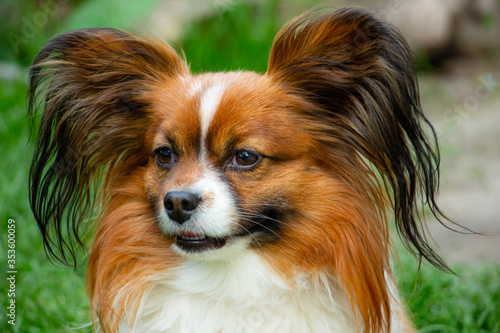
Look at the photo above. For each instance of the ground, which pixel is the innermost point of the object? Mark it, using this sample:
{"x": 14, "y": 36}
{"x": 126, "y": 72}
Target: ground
{"x": 464, "y": 106}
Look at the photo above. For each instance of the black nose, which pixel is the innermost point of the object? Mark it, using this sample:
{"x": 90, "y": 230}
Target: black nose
{"x": 180, "y": 205}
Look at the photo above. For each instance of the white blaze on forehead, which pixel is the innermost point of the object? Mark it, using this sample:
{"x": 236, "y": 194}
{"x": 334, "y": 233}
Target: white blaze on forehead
{"x": 210, "y": 101}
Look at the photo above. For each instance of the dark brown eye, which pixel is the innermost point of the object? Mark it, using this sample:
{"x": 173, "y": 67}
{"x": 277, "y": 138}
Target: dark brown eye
{"x": 245, "y": 158}
{"x": 165, "y": 157}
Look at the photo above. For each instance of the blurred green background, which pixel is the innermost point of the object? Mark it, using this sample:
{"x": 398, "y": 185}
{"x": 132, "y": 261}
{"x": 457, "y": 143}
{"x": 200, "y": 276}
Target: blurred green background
{"x": 236, "y": 34}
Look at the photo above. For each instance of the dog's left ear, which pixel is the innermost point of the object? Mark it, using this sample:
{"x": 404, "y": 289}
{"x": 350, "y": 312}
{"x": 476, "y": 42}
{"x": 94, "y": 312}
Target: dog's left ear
{"x": 358, "y": 75}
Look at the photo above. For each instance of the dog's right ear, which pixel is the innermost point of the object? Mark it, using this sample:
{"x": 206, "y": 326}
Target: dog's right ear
{"x": 92, "y": 86}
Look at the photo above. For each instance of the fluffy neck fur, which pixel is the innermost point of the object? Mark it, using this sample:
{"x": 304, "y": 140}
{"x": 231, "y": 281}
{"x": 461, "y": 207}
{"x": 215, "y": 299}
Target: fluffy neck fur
{"x": 241, "y": 296}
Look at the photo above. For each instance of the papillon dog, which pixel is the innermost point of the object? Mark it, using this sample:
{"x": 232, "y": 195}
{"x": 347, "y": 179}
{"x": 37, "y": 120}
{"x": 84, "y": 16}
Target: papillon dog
{"x": 236, "y": 201}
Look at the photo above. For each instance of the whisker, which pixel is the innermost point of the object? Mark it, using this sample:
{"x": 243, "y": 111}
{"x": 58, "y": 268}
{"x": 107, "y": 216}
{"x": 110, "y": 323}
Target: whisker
{"x": 253, "y": 213}
{"x": 260, "y": 215}
{"x": 265, "y": 205}
{"x": 262, "y": 225}
{"x": 251, "y": 235}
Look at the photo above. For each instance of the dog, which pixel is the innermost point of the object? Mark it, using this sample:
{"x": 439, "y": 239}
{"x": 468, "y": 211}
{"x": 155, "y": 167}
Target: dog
{"x": 236, "y": 201}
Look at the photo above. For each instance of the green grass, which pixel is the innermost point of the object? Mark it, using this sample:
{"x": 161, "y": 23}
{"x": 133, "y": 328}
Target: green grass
{"x": 468, "y": 302}
{"x": 52, "y": 299}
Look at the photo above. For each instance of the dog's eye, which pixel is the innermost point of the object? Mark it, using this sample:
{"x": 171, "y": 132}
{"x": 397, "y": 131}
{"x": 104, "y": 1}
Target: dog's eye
{"x": 165, "y": 157}
{"x": 245, "y": 159}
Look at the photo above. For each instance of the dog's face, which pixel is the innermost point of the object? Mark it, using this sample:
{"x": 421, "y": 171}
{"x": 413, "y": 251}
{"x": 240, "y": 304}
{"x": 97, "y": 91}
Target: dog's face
{"x": 229, "y": 163}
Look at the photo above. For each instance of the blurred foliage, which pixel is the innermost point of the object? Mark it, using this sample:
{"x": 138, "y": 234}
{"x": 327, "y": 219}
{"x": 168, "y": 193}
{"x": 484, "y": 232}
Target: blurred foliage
{"x": 488, "y": 20}
{"x": 27, "y": 25}
{"x": 209, "y": 47}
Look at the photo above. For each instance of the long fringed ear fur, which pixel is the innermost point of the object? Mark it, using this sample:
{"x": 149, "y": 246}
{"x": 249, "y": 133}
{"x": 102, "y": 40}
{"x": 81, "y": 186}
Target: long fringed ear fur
{"x": 89, "y": 84}
{"x": 359, "y": 74}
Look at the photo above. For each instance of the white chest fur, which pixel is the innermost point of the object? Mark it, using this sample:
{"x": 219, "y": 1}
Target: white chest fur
{"x": 240, "y": 295}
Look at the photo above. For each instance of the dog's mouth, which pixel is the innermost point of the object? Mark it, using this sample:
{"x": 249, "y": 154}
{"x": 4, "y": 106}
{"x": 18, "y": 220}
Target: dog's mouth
{"x": 262, "y": 229}
{"x": 195, "y": 242}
